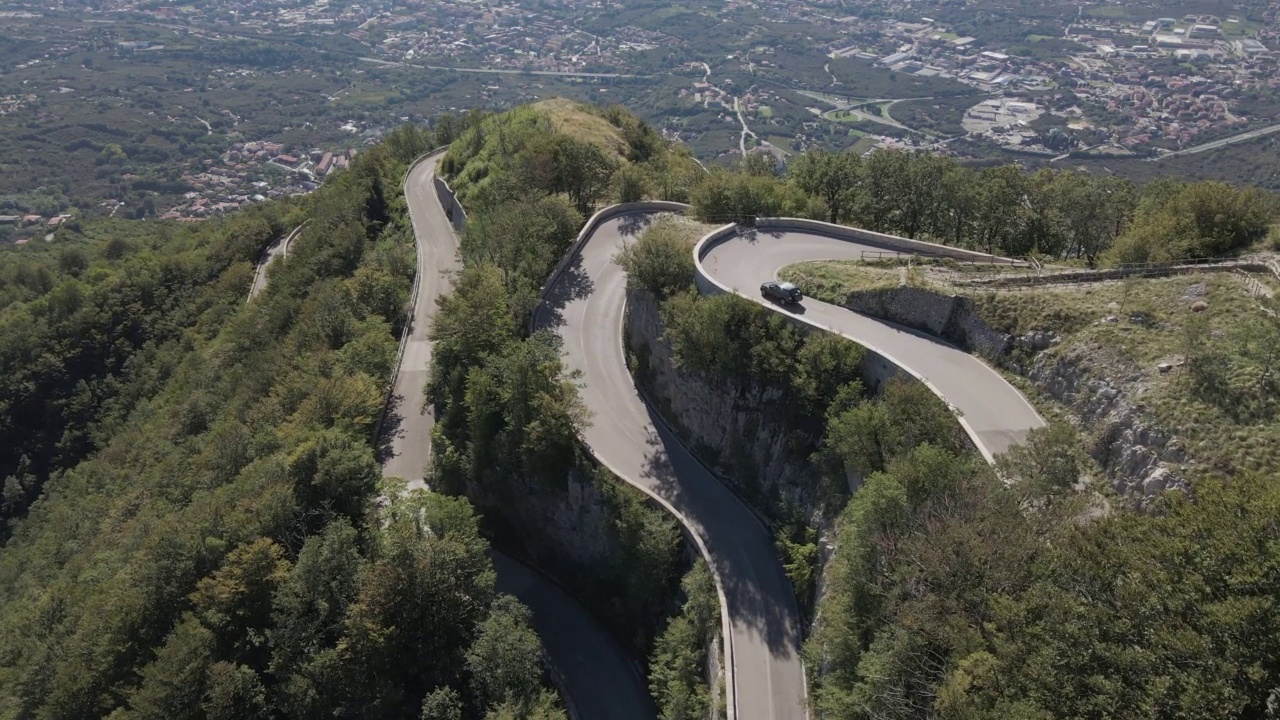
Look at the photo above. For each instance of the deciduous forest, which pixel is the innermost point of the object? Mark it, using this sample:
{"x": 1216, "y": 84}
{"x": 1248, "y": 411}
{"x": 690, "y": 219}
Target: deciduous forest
{"x": 195, "y": 523}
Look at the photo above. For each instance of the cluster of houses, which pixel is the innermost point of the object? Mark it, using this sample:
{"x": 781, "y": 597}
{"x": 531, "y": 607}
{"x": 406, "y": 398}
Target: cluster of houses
{"x": 25, "y": 227}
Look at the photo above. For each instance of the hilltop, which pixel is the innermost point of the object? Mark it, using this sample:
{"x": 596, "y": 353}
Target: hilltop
{"x": 585, "y": 152}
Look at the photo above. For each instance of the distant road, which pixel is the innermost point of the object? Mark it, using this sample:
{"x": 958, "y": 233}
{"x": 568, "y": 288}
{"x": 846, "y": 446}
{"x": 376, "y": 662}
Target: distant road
{"x": 852, "y": 107}
{"x": 742, "y": 138}
{"x": 279, "y": 248}
{"x": 498, "y": 71}
{"x": 1251, "y": 134}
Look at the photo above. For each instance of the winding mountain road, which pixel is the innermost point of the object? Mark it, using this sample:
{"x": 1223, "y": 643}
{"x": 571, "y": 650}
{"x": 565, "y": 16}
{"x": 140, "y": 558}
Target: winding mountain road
{"x": 409, "y": 422}
{"x": 279, "y": 248}
{"x": 993, "y": 412}
{"x": 585, "y": 305}
{"x": 595, "y": 673}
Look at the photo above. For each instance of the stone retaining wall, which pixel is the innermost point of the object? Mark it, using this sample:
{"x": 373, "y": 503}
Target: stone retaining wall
{"x": 948, "y": 317}
{"x": 726, "y": 424}
{"x": 452, "y": 208}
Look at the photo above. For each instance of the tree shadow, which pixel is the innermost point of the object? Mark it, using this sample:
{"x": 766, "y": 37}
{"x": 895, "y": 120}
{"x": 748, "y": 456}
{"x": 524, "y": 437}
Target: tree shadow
{"x": 391, "y": 429}
{"x": 760, "y": 598}
{"x": 574, "y": 283}
{"x": 635, "y": 223}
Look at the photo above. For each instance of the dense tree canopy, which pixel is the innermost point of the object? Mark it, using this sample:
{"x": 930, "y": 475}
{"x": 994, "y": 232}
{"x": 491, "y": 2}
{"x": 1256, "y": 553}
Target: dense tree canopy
{"x": 1001, "y": 210}
{"x": 190, "y": 516}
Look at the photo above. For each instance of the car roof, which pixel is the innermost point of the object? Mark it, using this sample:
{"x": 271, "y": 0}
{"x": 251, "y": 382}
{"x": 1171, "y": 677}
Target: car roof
{"x": 786, "y": 286}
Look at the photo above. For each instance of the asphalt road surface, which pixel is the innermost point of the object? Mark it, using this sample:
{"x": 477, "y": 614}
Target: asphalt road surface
{"x": 995, "y": 414}
{"x": 408, "y": 423}
{"x": 597, "y": 675}
{"x": 585, "y": 306}
{"x": 279, "y": 248}
{"x": 1249, "y": 135}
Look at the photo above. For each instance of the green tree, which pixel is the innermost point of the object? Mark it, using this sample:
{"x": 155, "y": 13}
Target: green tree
{"x": 545, "y": 707}
{"x": 505, "y": 659}
{"x": 677, "y": 668}
{"x": 831, "y": 177}
{"x": 235, "y": 600}
{"x": 660, "y": 260}
{"x": 1047, "y": 464}
{"x": 234, "y": 692}
{"x": 584, "y": 172}
{"x": 309, "y": 605}
{"x": 334, "y": 475}
{"x": 1001, "y": 209}
{"x": 631, "y": 183}
{"x": 173, "y": 684}
{"x": 443, "y": 703}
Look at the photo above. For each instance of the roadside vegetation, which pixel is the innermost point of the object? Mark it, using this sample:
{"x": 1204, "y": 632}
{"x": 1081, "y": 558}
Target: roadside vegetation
{"x": 959, "y": 590}
{"x": 190, "y": 521}
{"x": 557, "y": 148}
{"x": 1057, "y": 215}
{"x": 1217, "y": 339}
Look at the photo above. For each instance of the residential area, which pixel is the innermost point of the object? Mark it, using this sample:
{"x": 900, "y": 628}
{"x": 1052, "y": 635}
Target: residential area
{"x": 252, "y": 172}
{"x": 1118, "y": 87}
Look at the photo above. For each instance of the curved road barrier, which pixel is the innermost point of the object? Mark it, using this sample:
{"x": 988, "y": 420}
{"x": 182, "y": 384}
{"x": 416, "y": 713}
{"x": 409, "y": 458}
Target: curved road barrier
{"x": 595, "y": 674}
{"x": 993, "y": 413}
{"x": 877, "y": 242}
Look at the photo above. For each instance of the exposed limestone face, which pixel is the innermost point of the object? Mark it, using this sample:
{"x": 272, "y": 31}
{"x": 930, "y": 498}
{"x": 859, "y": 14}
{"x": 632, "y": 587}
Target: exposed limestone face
{"x": 727, "y": 424}
{"x": 1140, "y": 459}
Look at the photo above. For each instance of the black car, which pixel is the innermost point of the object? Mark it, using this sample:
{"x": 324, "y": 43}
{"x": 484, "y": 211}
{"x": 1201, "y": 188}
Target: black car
{"x": 783, "y": 292}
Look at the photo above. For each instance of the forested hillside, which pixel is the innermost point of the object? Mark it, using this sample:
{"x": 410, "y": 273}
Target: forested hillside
{"x": 195, "y": 524}
{"x": 958, "y": 590}
{"x": 192, "y": 530}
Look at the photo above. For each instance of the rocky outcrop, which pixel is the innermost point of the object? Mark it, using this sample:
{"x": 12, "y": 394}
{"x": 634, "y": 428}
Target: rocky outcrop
{"x": 598, "y": 538}
{"x": 727, "y": 424}
{"x": 558, "y": 529}
{"x": 950, "y": 317}
{"x": 1140, "y": 459}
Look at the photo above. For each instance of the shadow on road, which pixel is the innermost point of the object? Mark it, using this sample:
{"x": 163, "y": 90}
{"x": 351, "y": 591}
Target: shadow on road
{"x": 390, "y": 431}
{"x": 635, "y": 223}
{"x": 574, "y": 283}
{"x": 794, "y": 309}
{"x": 760, "y": 597}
